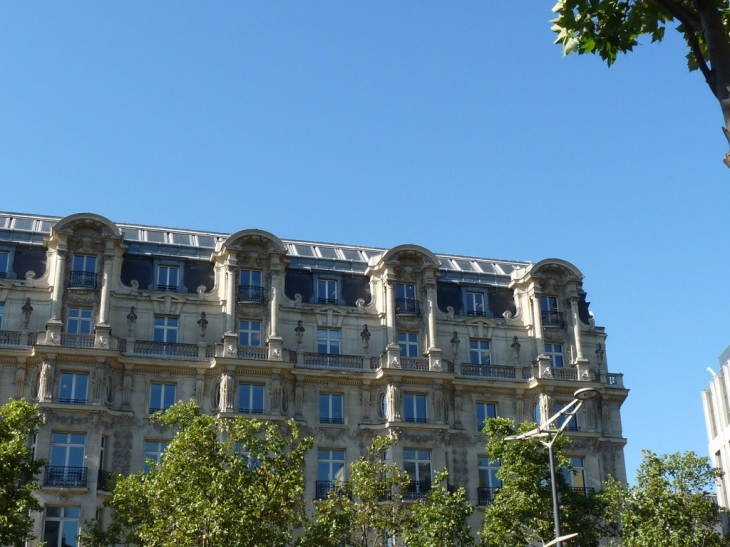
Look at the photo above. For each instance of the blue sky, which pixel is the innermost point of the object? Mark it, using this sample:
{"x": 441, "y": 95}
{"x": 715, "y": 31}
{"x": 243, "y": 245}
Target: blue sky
{"x": 458, "y": 126}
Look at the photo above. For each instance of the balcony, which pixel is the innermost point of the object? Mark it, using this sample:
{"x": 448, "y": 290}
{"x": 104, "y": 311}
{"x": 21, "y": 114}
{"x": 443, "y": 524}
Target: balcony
{"x": 168, "y": 350}
{"x": 583, "y": 490}
{"x": 82, "y": 280}
{"x": 256, "y": 353}
{"x": 65, "y": 476}
{"x": 414, "y": 363}
{"x": 489, "y": 371}
{"x": 250, "y": 293}
{"x": 485, "y": 494}
{"x": 561, "y": 373}
{"x": 247, "y": 410}
{"x": 416, "y": 419}
{"x": 103, "y": 480}
{"x": 325, "y": 360}
{"x": 325, "y": 420}
{"x": 8, "y": 338}
{"x": 171, "y": 288}
{"x": 323, "y": 489}
{"x": 417, "y": 490}
{"x": 68, "y": 401}
{"x": 476, "y": 313}
{"x": 552, "y": 319}
{"x": 407, "y": 306}
{"x": 71, "y": 340}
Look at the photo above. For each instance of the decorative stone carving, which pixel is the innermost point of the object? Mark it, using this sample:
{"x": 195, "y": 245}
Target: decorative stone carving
{"x": 45, "y": 391}
{"x": 226, "y": 390}
{"x": 19, "y": 381}
{"x": 516, "y": 347}
{"x": 26, "y": 311}
{"x": 298, "y": 400}
{"x": 299, "y": 330}
{"x": 439, "y": 403}
{"x": 365, "y": 337}
{"x": 202, "y": 325}
{"x": 200, "y": 390}
{"x": 600, "y": 354}
{"x": 126, "y": 388}
{"x": 98, "y": 383}
{"x": 455, "y": 346}
{"x": 131, "y": 322}
{"x": 276, "y": 394}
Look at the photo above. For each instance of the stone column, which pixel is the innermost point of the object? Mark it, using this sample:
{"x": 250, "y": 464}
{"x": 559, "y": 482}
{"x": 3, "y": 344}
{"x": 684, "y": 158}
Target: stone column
{"x": 106, "y": 278}
{"x": 276, "y": 343}
{"x": 58, "y": 279}
{"x": 576, "y": 328}
{"x": 45, "y": 390}
{"x": 231, "y": 295}
{"x": 537, "y": 317}
{"x": 431, "y": 301}
{"x": 389, "y": 311}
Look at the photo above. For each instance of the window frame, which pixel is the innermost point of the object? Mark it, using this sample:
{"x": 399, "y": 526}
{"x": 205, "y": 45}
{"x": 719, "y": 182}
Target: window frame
{"x": 83, "y": 274}
{"x": 252, "y": 388}
{"x": 6, "y": 270}
{"x": 476, "y": 354}
{"x": 405, "y": 304}
{"x": 328, "y": 411}
{"x": 156, "y": 454}
{"x": 163, "y": 399}
{"x": 326, "y": 288}
{"x": 572, "y": 421}
{"x": 415, "y": 466}
{"x": 74, "y": 378}
{"x": 418, "y": 412}
{"x": 80, "y": 320}
{"x": 252, "y": 290}
{"x": 557, "y": 357}
{"x": 168, "y": 285}
{"x": 249, "y": 332}
{"x": 62, "y": 539}
{"x": 165, "y": 329}
{"x": 409, "y": 344}
{"x": 485, "y": 411}
{"x": 470, "y": 301}
{"x": 326, "y": 341}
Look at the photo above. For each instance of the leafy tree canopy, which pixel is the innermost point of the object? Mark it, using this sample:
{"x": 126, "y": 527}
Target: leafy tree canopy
{"x": 668, "y": 506}
{"x": 522, "y": 510}
{"x": 610, "y": 27}
{"x": 221, "y": 481}
{"x": 19, "y": 420}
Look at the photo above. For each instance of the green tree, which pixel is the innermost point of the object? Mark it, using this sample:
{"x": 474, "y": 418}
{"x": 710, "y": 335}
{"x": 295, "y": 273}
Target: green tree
{"x": 522, "y": 510}
{"x": 19, "y": 420}
{"x": 370, "y": 509}
{"x": 668, "y": 505}
{"x": 221, "y": 481}
{"x": 610, "y": 27}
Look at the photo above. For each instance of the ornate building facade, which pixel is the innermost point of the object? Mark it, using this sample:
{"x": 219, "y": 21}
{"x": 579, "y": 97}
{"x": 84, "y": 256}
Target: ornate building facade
{"x": 717, "y": 420}
{"x": 103, "y": 324}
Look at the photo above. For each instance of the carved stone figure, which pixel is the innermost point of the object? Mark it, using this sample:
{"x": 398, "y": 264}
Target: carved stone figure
{"x": 365, "y": 336}
{"x": 516, "y": 350}
{"x": 19, "y": 381}
{"x": 99, "y": 383}
{"x": 299, "y": 330}
{"x": 275, "y": 394}
{"x": 600, "y": 353}
{"x": 544, "y": 407}
{"x": 455, "y": 345}
{"x": 45, "y": 391}
{"x": 203, "y": 325}
{"x": 606, "y": 419}
{"x": 438, "y": 403}
{"x": 298, "y": 400}
{"x": 200, "y": 391}
{"x": 365, "y": 402}
{"x": 131, "y": 322}
{"x": 457, "y": 408}
{"x": 226, "y": 398}
{"x": 393, "y": 396}
{"x": 26, "y": 310}
{"x": 126, "y": 389}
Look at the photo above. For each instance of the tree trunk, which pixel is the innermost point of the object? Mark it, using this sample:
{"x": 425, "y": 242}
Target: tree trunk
{"x": 718, "y": 47}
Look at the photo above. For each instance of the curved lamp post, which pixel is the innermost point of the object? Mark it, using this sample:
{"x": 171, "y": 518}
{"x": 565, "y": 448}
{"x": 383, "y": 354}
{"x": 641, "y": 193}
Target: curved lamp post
{"x": 547, "y": 435}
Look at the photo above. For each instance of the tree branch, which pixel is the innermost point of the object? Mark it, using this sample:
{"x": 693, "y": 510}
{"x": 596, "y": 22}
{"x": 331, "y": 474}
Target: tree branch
{"x": 692, "y": 25}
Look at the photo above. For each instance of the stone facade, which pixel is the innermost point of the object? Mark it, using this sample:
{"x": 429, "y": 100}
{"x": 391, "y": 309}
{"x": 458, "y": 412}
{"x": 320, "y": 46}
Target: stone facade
{"x": 104, "y": 323}
{"x": 717, "y": 419}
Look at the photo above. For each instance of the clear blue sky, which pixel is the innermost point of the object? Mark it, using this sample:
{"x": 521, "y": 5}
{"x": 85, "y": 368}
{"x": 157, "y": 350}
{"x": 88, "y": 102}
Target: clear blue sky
{"x": 458, "y": 126}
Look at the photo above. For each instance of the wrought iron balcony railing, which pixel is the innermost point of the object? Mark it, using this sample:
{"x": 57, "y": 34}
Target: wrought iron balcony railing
{"x": 407, "y": 306}
{"x": 71, "y": 401}
{"x": 417, "y": 489}
{"x": 65, "y": 476}
{"x": 250, "y": 293}
{"x": 552, "y": 319}
{"x": 416, "y": 419}
{"x": 332, "y": 301}
{"x": 171, "y": 288}
{"x": 327, "y": 420}
{"x": 323, "y": 489}
{"x": 247, "y": 410}
{"x": 103, "y": 479}
{"x": 476, "y": 313}
{"x": 82, "y": 280}
{"x": 586, "y": 491}
{"x": 485, "y": 494}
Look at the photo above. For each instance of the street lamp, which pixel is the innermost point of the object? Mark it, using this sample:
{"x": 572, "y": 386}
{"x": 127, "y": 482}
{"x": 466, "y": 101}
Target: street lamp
{"x": 547, "y": 435}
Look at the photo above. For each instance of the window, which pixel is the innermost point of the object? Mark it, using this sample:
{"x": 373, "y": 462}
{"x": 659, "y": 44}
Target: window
{"x": 67, "y": 460}
{"x": 162, "y": 397}
{"x": 153, "y": 450}
{"x": 330, "y": 408}
{"x": 251, "y": 398}
{"x": 479, "y": 352}
{"x": 2, "y": 314}
{"x": 415, "y": 408}
{"x": 555, "y": 352}
{"x": 330, "y": 469}
{"x": 572, "y": 425}
{"x": 327, "y": 291}
{"x": 168, "y": 278}
{"x": 475, "y": 304}
{"x": 73, "y": 388}
{"x": 576, "y": 478}
{"x": 79, "y": 320}
{"x": 488, "y": 481}
{"x": 484, "y": 412}
{"x": 249, "y": 286}
{"x": 165, "y": 329}
{"x": 62, "y": 526}
{"x": 417, "y": 463}
{"x": 249, "y": 333}
{"x": 4, "y": 263}
{"x": 405, "y": 299}
{"x": 328, "y": 341}
{"x": 408, "y": 342}
{"x": 551, "y": 315}
{"x": 83, "y": 272}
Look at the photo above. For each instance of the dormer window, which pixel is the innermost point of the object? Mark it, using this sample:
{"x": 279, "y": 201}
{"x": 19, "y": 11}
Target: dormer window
{"x": 405, "y": 299}
{"x": 83, "y": 272}
{"x": 4, "y": 263}
{"x": 250, "y": 287}
{"x": 551, "y": 315}
{"x": 168, "y": 278}
{"x": 327, "y": 291}
{"x": 475, "y": 306}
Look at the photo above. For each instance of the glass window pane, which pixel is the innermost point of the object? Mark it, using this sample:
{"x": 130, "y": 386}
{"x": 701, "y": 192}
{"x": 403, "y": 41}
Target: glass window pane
{"x": 156, "y": 237}
{"x": 327, "y": 252}
{"x": 206, "y": 241}
{"x": 352, "y": 254}
{"x": 304, "y": 250}
{"x": 23, "y": 224}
